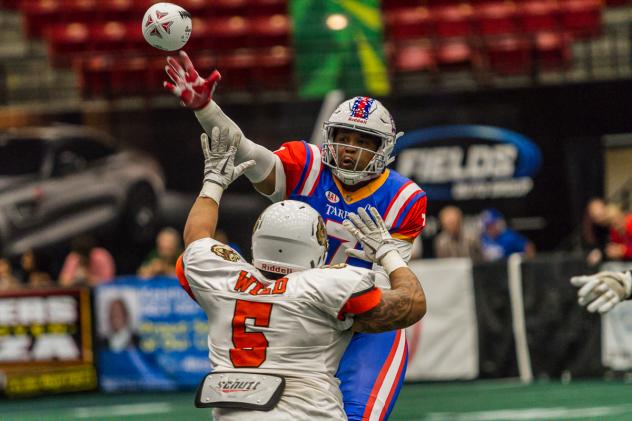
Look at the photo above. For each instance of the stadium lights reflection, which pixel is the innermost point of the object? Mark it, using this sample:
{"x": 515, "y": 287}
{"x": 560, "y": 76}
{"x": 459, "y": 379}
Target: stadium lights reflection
{"x": 337, "y": 22}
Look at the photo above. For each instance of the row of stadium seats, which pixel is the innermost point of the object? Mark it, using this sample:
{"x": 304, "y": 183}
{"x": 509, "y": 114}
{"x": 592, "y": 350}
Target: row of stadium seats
{"x": 270, "y": 69}
{"x": 220, "y": 34}
{"x": 38, "y": 14}
{"x": 581, "y": 18}
{"x": 107, "y": 75}
{"x": 395, "y": 4}
{"x": 507, "y": 55}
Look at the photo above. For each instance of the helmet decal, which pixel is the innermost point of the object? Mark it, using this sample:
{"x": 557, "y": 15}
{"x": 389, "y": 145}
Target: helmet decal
{"x": 321, "y": 232}
{"x": 361, "y": 109}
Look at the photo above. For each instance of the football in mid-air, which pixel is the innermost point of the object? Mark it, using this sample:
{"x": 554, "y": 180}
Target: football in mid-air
{"x": 167, "y": 26}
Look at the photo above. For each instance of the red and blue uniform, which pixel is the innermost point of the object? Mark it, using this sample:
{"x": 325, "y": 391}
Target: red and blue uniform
{"x": 373, "y": 367}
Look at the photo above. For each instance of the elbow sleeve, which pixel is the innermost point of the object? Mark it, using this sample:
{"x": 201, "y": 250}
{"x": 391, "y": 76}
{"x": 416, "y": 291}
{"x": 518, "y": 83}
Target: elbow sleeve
{"x": 213, "y": 116}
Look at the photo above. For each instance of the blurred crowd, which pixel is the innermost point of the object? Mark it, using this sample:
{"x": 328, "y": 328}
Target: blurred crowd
{"x": 606, "y": 235}
{"x": 89, "y": 264}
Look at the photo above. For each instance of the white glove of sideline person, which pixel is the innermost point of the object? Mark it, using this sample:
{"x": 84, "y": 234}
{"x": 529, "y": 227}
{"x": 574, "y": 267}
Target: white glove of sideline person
{"x": 219, "y": 162}
{"x": 603, "y": 291}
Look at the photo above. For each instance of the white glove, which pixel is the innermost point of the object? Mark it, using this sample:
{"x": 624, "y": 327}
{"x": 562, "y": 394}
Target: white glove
{"x": 372, "y": 233}
{"x": 219, "y": 162}
{"x": 603, "y": 291}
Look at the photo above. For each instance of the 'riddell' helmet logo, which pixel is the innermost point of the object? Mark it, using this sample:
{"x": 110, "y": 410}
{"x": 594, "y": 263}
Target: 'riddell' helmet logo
{"x": 275, "y": 268}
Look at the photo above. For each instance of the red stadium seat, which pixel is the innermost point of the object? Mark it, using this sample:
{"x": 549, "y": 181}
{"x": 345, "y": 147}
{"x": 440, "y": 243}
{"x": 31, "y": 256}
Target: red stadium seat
{"x": 454, "y": 54}
{"x": 225, "y": 8}
{"x": 129, "y": 76}
{"x": 453, "y": 21}
{"x": 94, "y": 74}
{"x": 408, "y": 23}
{"x": 582, "y": 18}
{"x": 39, "y": 14}
{"x": 509, "y": 55}
{"x": 267, "y": 7}
{"x": 121, "y": 10}
{"x": 67, "y": 40}
{"x": 274, "y": 70}
{"x": 553, "y": 51}
{"x": 496, "y": 18}
{"x": 398, "y": 4}
{"x": 238, "y": 69}
{"x": 225, "y": 34}
{"x": 80, "y": 11}
{"x": 539, "y": 15}
{"x": 109, "y": 36}
{"x": 268, "y": 31}
{"x": 414, "y": 57}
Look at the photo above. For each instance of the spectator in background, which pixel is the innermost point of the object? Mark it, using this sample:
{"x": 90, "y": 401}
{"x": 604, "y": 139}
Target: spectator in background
{"x": 162, "y": 259}
{"x": 7, "y": 280}
{"x": 453, "y": 240}
{"x": 34, "y": 270}
{"x": 595, "y": 231}
{"x": 86, "y": 264}
{"x": 620, "y": 245}
{"x": 498, "y": 241}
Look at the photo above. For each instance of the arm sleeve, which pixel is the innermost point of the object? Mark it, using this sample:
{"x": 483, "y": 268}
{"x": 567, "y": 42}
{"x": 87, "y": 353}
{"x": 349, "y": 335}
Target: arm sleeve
{"x": 213, "y": 116}
{"x": 412, "y": 219}
{"x": 293, "y": 157}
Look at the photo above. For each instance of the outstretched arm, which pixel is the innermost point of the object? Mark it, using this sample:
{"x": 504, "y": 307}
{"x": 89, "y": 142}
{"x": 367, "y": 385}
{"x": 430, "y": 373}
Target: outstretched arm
{"x": 196, "y": 93}
{"x": 219, "y": 172}
{"x": 405, "y": 303}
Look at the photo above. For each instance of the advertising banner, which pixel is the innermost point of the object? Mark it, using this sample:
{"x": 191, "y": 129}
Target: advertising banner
{"x": 151, "y": 336}
{"x": 45, "y": 342}
{"x": 444, "y": 344}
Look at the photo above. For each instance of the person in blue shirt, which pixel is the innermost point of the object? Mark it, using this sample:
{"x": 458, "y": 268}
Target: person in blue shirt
{"x": 499, "y": 241}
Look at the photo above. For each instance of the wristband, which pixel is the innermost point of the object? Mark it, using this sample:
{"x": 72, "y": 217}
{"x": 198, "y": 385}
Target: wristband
{"x": 392, "y": 261}
{"x": 212, "y": 191}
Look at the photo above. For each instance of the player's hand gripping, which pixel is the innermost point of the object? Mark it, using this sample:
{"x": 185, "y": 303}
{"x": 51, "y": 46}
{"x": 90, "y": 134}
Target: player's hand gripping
{"x": 371, "y": 233}
{"x": 194, "y": 91}
{"x": 219, "y": 157}
{"x": 603, "y": 291}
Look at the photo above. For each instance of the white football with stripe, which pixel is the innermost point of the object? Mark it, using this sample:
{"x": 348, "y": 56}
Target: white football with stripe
{"x": 167, "y": 26}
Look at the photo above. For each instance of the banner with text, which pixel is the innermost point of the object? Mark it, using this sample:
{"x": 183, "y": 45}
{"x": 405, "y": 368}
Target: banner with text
{"x": 45, "y": 342}
{"x": 151, "y": 336}
{"x": 444, "y": 344}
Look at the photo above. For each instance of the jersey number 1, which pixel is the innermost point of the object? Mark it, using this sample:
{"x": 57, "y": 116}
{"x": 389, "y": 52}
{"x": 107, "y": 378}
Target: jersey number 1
{"x": 249, "y": 347}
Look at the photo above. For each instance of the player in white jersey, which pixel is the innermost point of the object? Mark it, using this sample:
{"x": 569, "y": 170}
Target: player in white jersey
{"x": 278, "y": 328}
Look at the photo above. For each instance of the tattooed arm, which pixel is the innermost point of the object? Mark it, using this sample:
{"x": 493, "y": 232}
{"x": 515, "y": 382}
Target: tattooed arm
{"x": 405, "y": 303}
{"x": 401, "y": 306}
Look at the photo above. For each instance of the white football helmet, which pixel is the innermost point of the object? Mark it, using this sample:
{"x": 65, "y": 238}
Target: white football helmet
{"x": 366, "y": 115}
{"x": 289, "y": 236}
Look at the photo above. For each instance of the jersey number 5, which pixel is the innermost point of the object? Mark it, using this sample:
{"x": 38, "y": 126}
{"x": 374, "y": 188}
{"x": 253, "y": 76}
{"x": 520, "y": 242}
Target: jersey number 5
{"x": 249, "y": 347}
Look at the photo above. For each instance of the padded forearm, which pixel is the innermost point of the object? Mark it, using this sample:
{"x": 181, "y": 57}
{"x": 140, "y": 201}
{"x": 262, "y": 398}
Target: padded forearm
{"x": 213, "y": 116}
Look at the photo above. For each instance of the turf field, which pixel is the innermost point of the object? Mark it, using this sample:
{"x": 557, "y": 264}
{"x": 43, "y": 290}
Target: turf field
{"x": 477, "y": 401}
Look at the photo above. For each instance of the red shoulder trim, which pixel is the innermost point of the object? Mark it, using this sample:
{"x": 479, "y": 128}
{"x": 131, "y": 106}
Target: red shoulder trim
{"x": 361, "y": 302}
{"x": 182, "y": 279}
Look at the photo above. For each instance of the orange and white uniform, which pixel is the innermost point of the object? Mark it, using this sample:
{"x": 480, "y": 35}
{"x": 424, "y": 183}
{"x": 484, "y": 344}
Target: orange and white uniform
{"x": 297, "y": 326}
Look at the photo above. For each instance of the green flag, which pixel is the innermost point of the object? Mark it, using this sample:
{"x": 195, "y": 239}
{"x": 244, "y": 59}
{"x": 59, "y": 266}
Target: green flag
{"x": 338, "y": 44}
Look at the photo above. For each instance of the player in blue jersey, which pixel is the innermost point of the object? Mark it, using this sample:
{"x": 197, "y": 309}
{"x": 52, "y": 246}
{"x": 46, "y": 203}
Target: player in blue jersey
{"x": 347, "y": 173}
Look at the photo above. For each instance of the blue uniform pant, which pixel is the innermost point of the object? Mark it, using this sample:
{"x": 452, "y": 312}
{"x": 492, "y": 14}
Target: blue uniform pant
{"x": 371, "y": 373}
